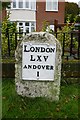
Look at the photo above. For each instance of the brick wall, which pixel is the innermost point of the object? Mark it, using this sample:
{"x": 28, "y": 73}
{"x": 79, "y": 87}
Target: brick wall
{"x": 3, "y": 14}
{"x": 43, "y": 15}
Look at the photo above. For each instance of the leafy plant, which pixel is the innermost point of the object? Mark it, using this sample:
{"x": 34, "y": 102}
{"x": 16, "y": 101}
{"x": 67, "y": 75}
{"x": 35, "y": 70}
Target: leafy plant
{"x": 8, "y": 30}
{"x": 71, "y": 9}
{"x": 67, "y": 29}
{"x": 45, "y": 25}
{"x": 15, "y": 106}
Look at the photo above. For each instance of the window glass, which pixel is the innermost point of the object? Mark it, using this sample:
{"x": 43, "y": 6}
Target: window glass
{"x": 20, "y": 29}
{"x": 27, "y": 30}
{"x": 51, "y": 5}
{"x": 20, "y": 24}
{"x": 20, "y": 4}
{"x": 14, "y": 3}
{"x": 27, "y": 24}
{"x": 30, "y": 4}
{"x": 27, "y": 4}
{"x": 32, "y": 24}
{"x": 32, "y": 29}
{"x": 33, "y": 4}
{"x": 55, "y": 5}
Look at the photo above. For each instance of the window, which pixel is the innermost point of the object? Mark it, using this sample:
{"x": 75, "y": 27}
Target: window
{"x": 26, "y": 23}
{"x": 50, "y": 28}
{"x": 14, "y": 3}
{"x": 29, "y": 27}
{"x": 27, "y": 4}
{"x": 20, "y": 4}
{"x": 33, "y": 4}
{"x": 20, "y": 29}
{"x": 26, "y": 26}
{"x": 27, "y": 30}
{"x": 32, "y": 24}
{"x": 24, "y": 4}
{"x": 20, "y": 23}
{"x": 51, "y": 5}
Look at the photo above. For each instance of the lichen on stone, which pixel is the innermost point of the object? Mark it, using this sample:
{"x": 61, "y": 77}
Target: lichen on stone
{"x": 30, "y": 88}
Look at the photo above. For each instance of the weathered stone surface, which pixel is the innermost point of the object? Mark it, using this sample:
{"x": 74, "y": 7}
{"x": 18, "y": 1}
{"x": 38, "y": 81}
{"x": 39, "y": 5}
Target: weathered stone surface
{"x": 48, "y": 89}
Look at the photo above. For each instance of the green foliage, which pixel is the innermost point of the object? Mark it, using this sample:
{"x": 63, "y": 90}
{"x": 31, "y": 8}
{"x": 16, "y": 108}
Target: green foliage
{"x": 8, "y": 60}
{"x": 66, "y": 30}
{"x": 5, "y": 4}
{"x": 71, "y": 9}
{"x": 45, "y": 25}
{"x": 60, "y": 33}
{"x": 77, "y": 19}
{"x": 0, "y": 6}
{"x": 8, "y": 30}
{"x": 15, "y": 106}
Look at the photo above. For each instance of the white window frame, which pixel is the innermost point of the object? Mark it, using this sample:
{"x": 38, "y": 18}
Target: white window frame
{"x": 24, "y": 27}
{"x": 24, "y": 5}
{"x": 12, "y": 4}
{"x": 31, "y": 1}
{"x": 52, "y": 5}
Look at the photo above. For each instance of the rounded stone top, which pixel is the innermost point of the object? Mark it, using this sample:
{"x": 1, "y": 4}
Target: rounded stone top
{"x": 37, "y": 38}
{"x": 40, "y": 37}
{"x": 38, "y": 66}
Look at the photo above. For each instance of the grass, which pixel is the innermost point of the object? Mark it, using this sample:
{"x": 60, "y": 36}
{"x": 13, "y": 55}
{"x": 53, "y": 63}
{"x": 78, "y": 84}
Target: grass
{"x": 15, "y": 106}
{"x": 8, "y": 60}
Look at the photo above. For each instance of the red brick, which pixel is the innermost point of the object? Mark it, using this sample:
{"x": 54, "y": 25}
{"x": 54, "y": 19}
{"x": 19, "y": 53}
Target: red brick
{"x": 43, "y": 15}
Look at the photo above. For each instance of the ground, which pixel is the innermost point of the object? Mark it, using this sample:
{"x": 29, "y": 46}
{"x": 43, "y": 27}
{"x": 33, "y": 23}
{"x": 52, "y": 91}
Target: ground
{"x": 15, "y": 106}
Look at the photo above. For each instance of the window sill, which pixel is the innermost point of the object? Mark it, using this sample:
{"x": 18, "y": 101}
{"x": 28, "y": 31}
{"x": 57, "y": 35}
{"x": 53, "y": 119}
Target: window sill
{"x": 51, "y": 10}
{"x": 22, "y": 9}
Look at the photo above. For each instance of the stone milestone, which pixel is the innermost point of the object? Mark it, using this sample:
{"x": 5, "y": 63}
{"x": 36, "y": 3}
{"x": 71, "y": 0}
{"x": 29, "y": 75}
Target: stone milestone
{"x": 38, "y": 66}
